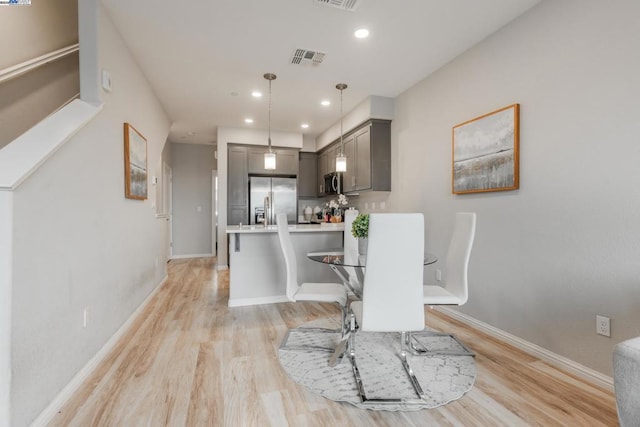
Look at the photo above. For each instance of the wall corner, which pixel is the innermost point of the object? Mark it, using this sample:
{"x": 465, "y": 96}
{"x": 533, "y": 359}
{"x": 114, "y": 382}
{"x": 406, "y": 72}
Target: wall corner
{"x": 6, "y": 273}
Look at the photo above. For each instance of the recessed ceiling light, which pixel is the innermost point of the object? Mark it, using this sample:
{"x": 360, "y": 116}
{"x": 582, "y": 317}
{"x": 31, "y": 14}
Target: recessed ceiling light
{"x": 304, "y": 126}
{"x": 256, "y": 94}
{"x": 361, "y": 33}
{"x": 248, "y": 120}
{"x": 325, "y": 103}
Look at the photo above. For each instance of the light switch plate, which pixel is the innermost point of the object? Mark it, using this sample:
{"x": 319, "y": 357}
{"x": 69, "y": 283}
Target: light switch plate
{"x": 106, "y": 80}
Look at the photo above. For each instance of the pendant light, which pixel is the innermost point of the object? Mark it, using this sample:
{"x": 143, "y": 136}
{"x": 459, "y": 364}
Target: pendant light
{"x": 270, "y": 156}
{"x": 341, "y": 159}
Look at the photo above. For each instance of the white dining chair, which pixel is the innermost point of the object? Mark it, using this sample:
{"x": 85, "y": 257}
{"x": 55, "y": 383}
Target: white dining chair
{"x": 626, "y": 381}
{"x": 310, "y": 292}
{"x": 350, "y": 244}
{"x": 392, "y": 293}
{"x": 456, "y": 285}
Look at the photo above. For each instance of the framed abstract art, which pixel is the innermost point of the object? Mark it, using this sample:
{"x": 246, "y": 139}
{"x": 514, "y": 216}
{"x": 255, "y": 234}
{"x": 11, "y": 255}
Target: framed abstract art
{"x": 135, "y": 163}
{"x": 486, "y": 152}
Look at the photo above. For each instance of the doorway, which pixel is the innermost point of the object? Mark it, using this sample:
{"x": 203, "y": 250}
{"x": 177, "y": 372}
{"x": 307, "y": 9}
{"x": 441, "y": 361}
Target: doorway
{"x": 167, "y": 206}
{"x": 214, "y": 211}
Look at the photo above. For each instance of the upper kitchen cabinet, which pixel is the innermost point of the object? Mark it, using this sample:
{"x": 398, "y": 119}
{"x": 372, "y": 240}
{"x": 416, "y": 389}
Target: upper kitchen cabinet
{"x": 368, "y": 151}
{"x": 349, "y": 177}
{"x": 326, "y": 165}
{"x": 286, "y": 161}
{"x": 237, "y": 185}
{"x": 308, "y": 175}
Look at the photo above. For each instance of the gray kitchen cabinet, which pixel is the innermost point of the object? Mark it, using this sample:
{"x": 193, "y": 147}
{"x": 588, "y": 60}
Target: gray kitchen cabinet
{"x": 326, "y": 165}
{"x": 332, "y": 152}
{"x": 349, "y": 177}
{"x": 380, "y": 152}
{"x": 237, "y": 186}
{"x": 308, "y": 175}
{"x": 322, "y": 171}
{"x": 368, "y": 151}
{"x": 363, "y": 158}
{"x": 286, "y": 161}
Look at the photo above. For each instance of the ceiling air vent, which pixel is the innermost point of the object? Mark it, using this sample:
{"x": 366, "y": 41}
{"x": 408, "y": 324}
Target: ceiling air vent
{"x": 307, "y": 57}
{"x": 349, "y": 5}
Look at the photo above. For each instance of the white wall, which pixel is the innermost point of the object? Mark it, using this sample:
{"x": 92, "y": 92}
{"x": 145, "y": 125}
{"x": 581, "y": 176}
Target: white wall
{"x": 565, "y": 246}
{"x": 6, "y": 275}
{"x": 79, "y": 243}
{"x": 191, "y": 166}
{"x": 372, "y": 107}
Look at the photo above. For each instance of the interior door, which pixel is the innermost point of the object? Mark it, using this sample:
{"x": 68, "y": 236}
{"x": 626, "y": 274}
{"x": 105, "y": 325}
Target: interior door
{"x": 214, "y": 212}
{"x": 167, "y": 206}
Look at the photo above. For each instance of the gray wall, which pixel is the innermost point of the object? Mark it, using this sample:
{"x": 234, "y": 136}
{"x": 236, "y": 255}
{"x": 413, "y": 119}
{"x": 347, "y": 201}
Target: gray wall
{"x": 79, "y": 243}
{"x": 191, "y": 165}
{"x": 26, "y": 33}
{"x": 565, "y": 247}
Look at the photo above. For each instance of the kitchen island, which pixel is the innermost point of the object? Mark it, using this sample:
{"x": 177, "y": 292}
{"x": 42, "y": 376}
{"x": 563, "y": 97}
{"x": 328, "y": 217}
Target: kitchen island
{"x": 257, "y": 273}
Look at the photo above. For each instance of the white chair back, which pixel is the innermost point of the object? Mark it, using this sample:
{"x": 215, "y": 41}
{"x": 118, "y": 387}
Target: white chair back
{"x": 392, "y": 297}
{"x": 458, "y": 255}
{"x": 350, "y": 243}
{"x": 289, "y": 255}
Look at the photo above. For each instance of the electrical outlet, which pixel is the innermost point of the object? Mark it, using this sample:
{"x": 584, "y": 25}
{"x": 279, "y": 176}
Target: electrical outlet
{"x": 85, "y": 317}
{"x": 438, "y": 275}
{"x": 603, "y": 325}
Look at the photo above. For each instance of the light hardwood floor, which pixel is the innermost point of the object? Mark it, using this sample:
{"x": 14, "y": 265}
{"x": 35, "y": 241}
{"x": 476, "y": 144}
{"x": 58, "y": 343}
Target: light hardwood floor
{"x": 189, "y": 360}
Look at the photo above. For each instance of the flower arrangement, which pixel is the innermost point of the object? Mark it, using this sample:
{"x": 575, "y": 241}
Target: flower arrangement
{"x": 360, "y": 226}
{"x": 337, "y": 203}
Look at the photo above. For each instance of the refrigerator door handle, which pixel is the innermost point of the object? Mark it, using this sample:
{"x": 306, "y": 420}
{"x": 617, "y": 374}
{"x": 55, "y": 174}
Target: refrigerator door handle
{"x": 272, "y": 203}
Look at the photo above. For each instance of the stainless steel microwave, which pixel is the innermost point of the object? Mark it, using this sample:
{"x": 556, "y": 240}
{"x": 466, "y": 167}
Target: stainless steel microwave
{"x": 332, "y": 183}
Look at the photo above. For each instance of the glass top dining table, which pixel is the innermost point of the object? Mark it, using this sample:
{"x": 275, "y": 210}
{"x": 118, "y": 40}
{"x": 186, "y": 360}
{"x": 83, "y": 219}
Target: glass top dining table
{"x": 336, "y": 257}
{"x": 345, "y": 267}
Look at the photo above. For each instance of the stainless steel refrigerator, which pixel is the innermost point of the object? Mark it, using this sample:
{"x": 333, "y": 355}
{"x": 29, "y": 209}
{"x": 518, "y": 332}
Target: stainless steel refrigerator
{"x": 269, "y": 196}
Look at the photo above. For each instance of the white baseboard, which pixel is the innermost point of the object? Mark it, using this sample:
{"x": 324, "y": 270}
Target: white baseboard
{"x": 50, "y": 411}
{"x": 223, "y": 267}
{"x": 240, "y": 302}
{"x": 191, "y": 256}
{"x": 561, "y": 362}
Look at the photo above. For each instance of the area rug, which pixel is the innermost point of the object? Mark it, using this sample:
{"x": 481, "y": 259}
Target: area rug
{"x": 444, "y": 378}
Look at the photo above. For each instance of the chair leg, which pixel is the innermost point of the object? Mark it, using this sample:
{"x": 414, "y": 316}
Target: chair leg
{"x": 405, "y": 363}
{"x": 411, "y": 341}
{"x": 407, "y": 367}
{"x": 344, "y": 330}
{"x": 348, "y": 326}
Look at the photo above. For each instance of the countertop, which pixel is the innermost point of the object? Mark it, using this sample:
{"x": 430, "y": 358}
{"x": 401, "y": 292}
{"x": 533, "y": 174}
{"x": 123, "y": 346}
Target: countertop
{"x": 293, "y": 228}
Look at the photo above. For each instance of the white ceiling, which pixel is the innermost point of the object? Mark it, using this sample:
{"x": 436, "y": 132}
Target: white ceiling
{"x": 204, "y": 57}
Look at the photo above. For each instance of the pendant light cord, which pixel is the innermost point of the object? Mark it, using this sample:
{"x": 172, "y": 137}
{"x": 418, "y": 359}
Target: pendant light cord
{"x": 341, "y": 131}
{"x": 270, "y": 116}
{"x": 341, "y": 87}
{"x": 270, "y": 77}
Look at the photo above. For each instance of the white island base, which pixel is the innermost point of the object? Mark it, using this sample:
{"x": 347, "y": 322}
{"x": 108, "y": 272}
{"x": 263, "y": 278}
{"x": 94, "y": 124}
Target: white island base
{"x": 257, "y": 273}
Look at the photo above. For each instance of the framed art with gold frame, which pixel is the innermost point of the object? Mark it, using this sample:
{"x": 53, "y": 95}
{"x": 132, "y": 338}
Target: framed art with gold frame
{"x": 486, "y": 152}
{"x": 135, "y": 164}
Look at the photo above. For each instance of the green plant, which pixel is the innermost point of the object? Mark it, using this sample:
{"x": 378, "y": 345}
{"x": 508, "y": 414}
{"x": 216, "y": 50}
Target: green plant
{"x": 360, "y": 226}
